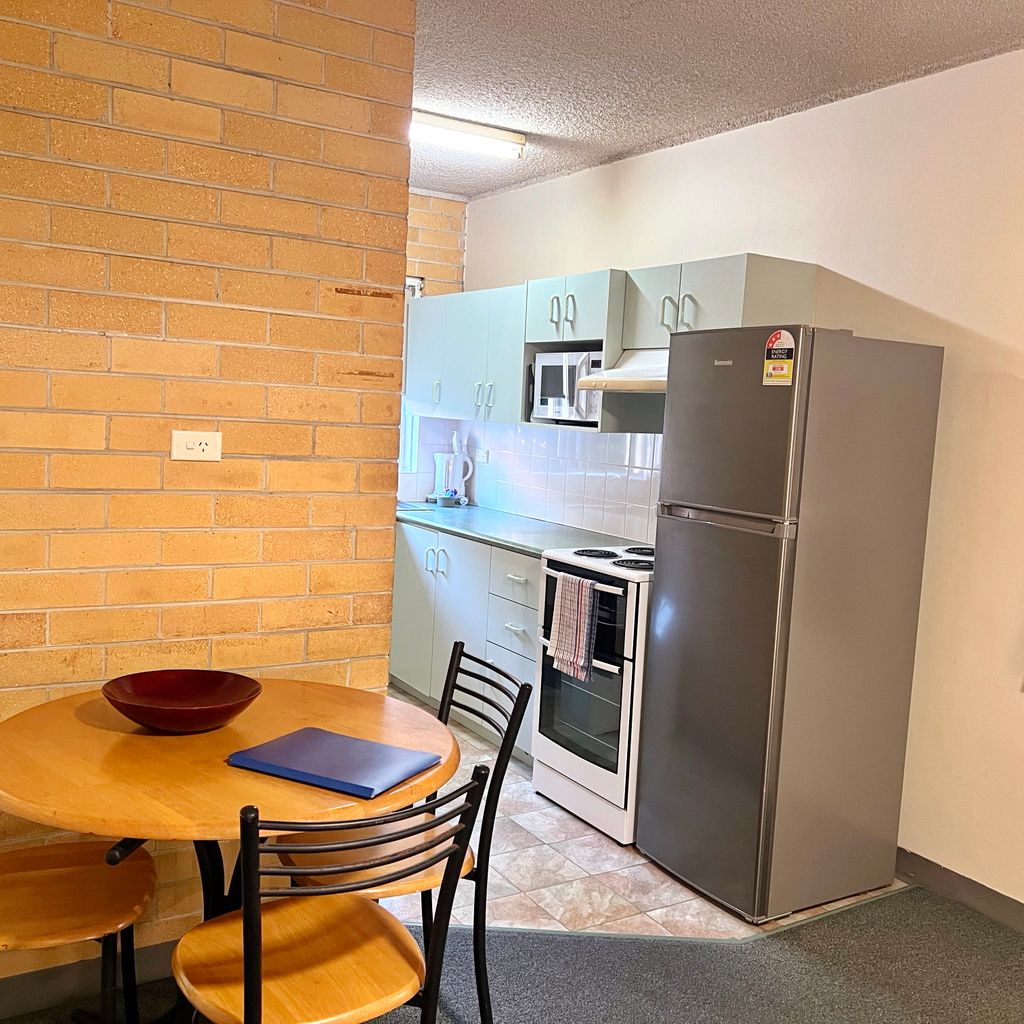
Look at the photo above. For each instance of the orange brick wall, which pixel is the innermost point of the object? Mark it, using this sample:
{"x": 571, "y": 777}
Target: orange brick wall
{"x": 437, "y": 243}
{"x": 203, "y": 210}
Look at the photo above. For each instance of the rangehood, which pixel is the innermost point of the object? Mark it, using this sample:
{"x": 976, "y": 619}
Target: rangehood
{"x": 638, "y": 370}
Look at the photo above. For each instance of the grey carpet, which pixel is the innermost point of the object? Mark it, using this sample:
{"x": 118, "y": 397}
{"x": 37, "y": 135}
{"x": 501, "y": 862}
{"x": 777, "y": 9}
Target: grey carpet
{"x": 910, "y": 958}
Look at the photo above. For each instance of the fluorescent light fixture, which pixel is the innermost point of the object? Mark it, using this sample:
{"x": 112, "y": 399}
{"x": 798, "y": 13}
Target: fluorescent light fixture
{"x": 465, "y": 135}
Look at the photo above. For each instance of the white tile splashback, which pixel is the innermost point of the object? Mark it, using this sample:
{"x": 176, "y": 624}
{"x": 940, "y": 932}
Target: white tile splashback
{"x": 603, "y": 482}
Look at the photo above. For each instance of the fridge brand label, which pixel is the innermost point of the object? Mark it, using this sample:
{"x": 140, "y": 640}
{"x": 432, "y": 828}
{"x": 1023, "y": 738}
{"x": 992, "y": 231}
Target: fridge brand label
{"x": 779, "y": 356}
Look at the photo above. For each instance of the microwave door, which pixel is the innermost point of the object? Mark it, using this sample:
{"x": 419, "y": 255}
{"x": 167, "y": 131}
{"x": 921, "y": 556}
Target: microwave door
{"x": 579, "y": 398}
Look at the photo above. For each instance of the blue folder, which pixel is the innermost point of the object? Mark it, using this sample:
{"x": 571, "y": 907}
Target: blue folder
{"x": 331, "y": 760}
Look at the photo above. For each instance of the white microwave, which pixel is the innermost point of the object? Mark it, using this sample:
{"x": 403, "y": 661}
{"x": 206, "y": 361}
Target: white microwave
{"x": 556, "y": 398}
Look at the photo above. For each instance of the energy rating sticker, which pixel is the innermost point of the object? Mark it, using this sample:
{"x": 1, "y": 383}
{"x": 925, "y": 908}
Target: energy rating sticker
{"x": 779, "y": 356}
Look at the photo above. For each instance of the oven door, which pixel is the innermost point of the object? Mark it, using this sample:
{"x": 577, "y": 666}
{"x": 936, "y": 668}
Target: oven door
{"x": 616, "y": 610}
{"x": 583, "y": 728}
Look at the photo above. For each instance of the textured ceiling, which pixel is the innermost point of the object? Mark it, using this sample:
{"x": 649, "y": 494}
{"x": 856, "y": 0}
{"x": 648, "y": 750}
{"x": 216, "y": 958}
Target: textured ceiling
{"x": 591, "y": 81}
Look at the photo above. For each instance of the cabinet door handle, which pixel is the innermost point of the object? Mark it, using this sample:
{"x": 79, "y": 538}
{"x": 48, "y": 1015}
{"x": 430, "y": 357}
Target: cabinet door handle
{"x": 426, "y": 560}
{"x": 478, "y": 394}
{"x": 490, "y": 395}
{"x": 513, "y": 628}
{"x": 440, "y": 552}
{"x": 436, "y": 390}
{"x": 666, "y": 301}
{"x": 516, "y": 579}
{"x": 555, "y": 310}
{"x": 684, "y": 324}
{"x": 570, "y": 301}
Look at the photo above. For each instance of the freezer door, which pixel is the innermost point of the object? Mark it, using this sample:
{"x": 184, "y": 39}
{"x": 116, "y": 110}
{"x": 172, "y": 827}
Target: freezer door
{"x": 733, "y": 441}
{"x": 711, "y": 690}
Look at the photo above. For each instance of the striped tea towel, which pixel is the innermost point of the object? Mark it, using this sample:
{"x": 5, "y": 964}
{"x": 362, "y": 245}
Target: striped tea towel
{"x": 573, "y": 626}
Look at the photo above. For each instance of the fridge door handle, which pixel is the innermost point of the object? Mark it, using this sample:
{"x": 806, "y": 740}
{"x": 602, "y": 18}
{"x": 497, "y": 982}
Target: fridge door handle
{"x": 725, "y": 521}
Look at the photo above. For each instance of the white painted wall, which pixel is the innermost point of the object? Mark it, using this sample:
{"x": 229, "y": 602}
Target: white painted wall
{"x": 917, "y": 191}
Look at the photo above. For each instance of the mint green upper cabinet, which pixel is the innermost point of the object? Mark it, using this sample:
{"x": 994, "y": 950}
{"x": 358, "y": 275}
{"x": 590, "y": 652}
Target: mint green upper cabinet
{"x": 651, "y": 306}
{"x": 503, "y": 396}
{"x": 463, "y": 360}
{"x": 590, "y": 301}
{"x": 545, "y": 307}
{"x": 425, "y": 320}
{"x": 711, "y": 293}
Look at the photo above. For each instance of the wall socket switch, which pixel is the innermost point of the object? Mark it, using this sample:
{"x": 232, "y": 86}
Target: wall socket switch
{"x": 195, "y": 445}
{"x": 481, "y": 456}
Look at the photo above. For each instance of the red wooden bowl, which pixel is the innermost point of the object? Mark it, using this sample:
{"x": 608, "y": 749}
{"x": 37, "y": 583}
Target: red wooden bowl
{"x": 181, "y": 699}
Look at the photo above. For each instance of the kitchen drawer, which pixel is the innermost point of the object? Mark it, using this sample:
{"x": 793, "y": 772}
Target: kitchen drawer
{"x": 525, "y": 670}
{"x": 512, "y": 626}
{"x": 515, "y": 577}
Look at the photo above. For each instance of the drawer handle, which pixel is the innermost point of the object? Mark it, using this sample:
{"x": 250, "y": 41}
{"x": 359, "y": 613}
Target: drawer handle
{"x": 516, "y": 579}
{"x": 513, "y": 628}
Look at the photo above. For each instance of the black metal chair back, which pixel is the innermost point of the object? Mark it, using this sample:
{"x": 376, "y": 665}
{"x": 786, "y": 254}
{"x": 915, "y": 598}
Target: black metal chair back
{"x": 457, "y": 809}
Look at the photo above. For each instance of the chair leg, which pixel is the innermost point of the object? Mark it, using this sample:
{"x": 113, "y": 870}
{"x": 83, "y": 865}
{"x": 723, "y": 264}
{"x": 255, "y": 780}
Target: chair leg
{"x": 483, "y": 985}
{"x": 129, "y": 987}
{"x": 108, "y": 979}
{"x": 427, "y": 914}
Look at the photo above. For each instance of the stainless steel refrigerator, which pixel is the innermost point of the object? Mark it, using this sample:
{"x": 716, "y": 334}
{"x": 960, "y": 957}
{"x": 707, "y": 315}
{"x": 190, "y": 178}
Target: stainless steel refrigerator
{"x": 796, "y": 473}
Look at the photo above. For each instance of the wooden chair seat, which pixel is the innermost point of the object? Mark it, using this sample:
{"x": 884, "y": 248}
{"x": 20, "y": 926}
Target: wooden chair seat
{"x": 332, "y": 960}
{"x": 422, "y": 881}
{"x": 66, "y": 892}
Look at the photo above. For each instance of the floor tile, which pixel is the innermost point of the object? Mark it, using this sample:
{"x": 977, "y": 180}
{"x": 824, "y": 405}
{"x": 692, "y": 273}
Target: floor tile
{"x": 537, "y": 868}
{"x": 553, "y": 825}
{"x": 517, "y": 911}
{"x": 583, "y": 903}
{"x": 405, "y": 908}
{"x": 639, "y": 924}
{"x": 646, "y": 887}
{"x": 521, "y": 798}
{"x": 497, "y": 887}
{"x": 508, "y": 835}
{"x": 698, "y": 919}
{"x": 597, "y": 853}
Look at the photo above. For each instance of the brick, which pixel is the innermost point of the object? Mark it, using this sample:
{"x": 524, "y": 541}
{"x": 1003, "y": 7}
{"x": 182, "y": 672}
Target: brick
{"x": 230, "y": 475}
{"x": 222, "y": 166}
{"x": 221, "y": 86}
{"x": 390, "y": 122}
{"x": 213, "y": 399}
{"x": 353, "y": 642}
{"x": 27, "y": 629}
{"x": 22, "y": 471}
{"x": 23, "y": 44}
{"x": 163, "y": 278}
{"x": 170, "y": 358}
{"x": 62, "y": 268}
{"x": 371, "y": 609}
{"x": 257, "y": 15}
{"x": 270, "y": 135}
{"x": 312, "y": 404}
{"x": 281, "y": 60}
{"x": 441, "y": 288}
{"x": 166, "y": 116}
{"x": 307, "y": 545}
{"x": 113, "y": 314}
{"x": 267, "y": 438}
{"x": 418, "y": 201}
{"x": 160, "y": 511}
{"x": 212, "y": 547}
{"x": 47, "y": 590}
{"x": 273, "y": 366}
{"x": 102, "y": 625}
{"x": 60, "y": 665}
{"x": 369, "y": 229}
{"x": 351, "y": 577}
{"x": 51, "y": 181}
{"x": 157, "y": 586}
{"x": 110, "y": 63}
{"x": 51, "y": 430}
{"x": 277, "y": 291}
{"x": 398, "y": 15}
{"x": 22, "y": 551}
{"x": 325, "y": 184}
{"x": 259, "y": 581}
{"x": 387, "y": 195}
{"x": 391, "y": 48}
{"x": 267, "y": 649}
{"x": 22, "y": 305}
{"x": 105, "y": 472}
{"x": 368, "y": 673}
{"x": 378, "y": 477}
{"x": 209, "y": 619}
{"x": 165, "y": 32}
{"x": 87, "y": 550}
{"x": 147, "y": 195}
{"x": 52, "y": 94}
{"x": 322, "y": 107}
{"x": 216, "y": 323}
{"x": 53, "y": 349}
{"x": 364, "y": 510}
{"x": 334, "y": 672}
{"x": 357, "y": 442}
{"x": 124, "y": 658}
{"x": 324, "y": 32}
{"x": 320, "y": 259}
{"x": 320, "y": 334}
{"x": 387, "y": 268}
{"x": 22, "y": 390}
{"x": 260, "y": 510}
{"x": 306, "y": 613}
{"x": 331, "y": 477}
{"x": 82, "y": 15}
{"x": 382, "y": 409}
{"x": 22, "y": 133}
{"x": 362, "y": 302}
{"x": 379, "y": 543}
{"x": 268, "y": 214}
{"x": 149, "y": 433}
{"x": 364, "y": 79}
{"x": 107, "y": 231}
{"x": 218, "y": 245}
{"x": 368, "y": 373}
{"x": 99, "y": 393}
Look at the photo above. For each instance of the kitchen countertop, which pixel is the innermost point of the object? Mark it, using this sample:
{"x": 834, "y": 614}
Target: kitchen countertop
{"x": 503, "y": 529}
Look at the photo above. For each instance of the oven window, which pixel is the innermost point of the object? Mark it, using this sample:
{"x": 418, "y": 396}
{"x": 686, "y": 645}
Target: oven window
{"x": 582, "y": 717}
{"x": 610, "y": 638}
{"x": 552, "y": 382}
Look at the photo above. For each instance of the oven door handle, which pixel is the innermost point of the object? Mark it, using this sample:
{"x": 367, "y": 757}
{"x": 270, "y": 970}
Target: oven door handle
{"x": 603, "y": 587}
{"x": 615, "y": 670}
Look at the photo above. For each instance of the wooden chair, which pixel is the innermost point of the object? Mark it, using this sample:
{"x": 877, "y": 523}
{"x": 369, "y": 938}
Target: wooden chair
{"x": 499, "y": 700}
{"x": 67, "y": 892}
{"x": 341, "y": 959}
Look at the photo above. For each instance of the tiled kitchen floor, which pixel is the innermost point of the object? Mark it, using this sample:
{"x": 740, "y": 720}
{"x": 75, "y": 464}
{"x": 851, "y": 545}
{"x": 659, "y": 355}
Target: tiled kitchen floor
{"x": 551, "y": 870}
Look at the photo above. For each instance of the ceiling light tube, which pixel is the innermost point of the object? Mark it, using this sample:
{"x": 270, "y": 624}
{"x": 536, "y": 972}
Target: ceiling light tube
{"x": 465, "y": 135}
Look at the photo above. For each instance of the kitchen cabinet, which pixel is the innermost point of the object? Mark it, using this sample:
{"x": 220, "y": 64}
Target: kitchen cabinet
{"x": 545, "y": 304}
{"x": 503, "y": 391}
{"x": 580, "y": 307}
{"x": 516, "y": 577}
{"x": 425, "y": 321}
{"x": 711, "y": 294}
{"x": 651, "y": 306}
{"x": 512, "y": 626}
{"x": 525, "y": 670}
{"x": 463, "y": 363}
{"x": 412, "y": 641}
